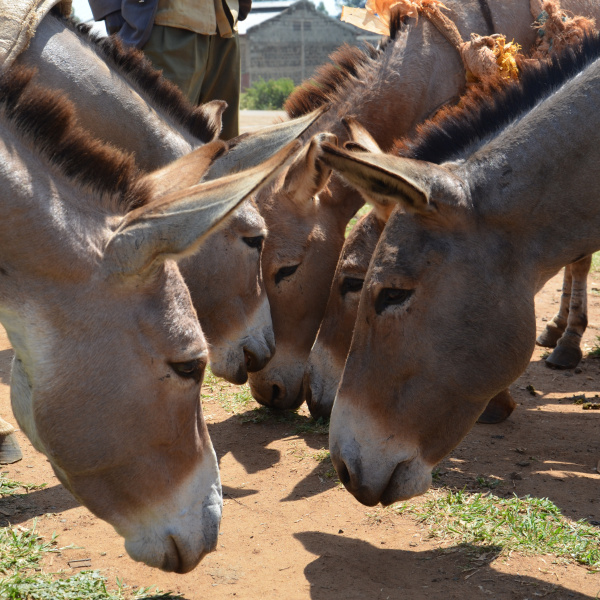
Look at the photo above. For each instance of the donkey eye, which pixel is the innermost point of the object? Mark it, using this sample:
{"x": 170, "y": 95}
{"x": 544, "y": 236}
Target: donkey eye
{"x": 390, "y": 297}
{"x": 191, "y": 369}
{"x": 285, "y": 272}
{"x": 351, "y": 284}
{"x": 255, "y": 242}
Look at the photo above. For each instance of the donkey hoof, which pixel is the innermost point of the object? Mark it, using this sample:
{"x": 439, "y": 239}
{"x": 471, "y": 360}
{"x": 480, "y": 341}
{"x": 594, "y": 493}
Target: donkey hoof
{"x": 564, "y": 357}
{"x": 549, "y": 337}
{"x": 9, "y": 449}
{"x": 499, "y": 408}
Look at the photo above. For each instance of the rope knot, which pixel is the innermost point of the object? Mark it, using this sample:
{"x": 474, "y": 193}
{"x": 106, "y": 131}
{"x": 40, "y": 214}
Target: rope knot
{"x": 490, "y": 56}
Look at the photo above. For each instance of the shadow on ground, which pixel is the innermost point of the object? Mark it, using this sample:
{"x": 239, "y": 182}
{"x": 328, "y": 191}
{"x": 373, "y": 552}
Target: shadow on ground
{"x": 21, "y": 507}
{"x": 353, "y": 569}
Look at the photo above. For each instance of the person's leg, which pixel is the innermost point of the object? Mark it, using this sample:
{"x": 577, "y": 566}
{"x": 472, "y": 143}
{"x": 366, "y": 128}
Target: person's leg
{"x": 181, "y": 55}
{"x": 222, "y": 81}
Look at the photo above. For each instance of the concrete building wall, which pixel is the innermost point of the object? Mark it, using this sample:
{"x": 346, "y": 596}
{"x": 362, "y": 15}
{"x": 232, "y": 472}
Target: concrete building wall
{"x": 292, "y": 44}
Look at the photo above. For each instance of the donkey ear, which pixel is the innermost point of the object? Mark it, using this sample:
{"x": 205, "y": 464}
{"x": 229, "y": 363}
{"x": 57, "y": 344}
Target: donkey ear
{"x": 185, "y": 171}
{"x": 250, "y": 149}
{"x": 360, "y": 138}
{"x": 308, "y": 175}
{"x": 176, "y": 224}
{"x": 213, "y": 111}
{"x": 383, "y": 178}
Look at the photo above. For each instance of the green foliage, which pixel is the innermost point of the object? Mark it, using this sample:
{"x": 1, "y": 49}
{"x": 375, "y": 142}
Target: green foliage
{"x": 21, "y": 554}
{"x": 11, "y": 488}
{"x": 267, "y": 95}
{"x": 528, "y": 525}
{"x": 595, "y": 351}
{"x": 361, "y": 212}
{"x": 321, "y": 8}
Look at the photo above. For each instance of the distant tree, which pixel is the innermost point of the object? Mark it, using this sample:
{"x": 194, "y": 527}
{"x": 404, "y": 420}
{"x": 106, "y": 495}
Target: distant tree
{"x": 352, "y": 3}
{"x": 321, "y": 8}
{"x": 267, "y": 95}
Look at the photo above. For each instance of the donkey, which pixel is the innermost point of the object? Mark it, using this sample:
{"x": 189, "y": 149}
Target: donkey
{"x": 454, "y": 274}
{"x": 328, "y": 355}
{"x": 122, "y": 100}
{"x": 390, "y": 91}
{"x": 109, "y": 355}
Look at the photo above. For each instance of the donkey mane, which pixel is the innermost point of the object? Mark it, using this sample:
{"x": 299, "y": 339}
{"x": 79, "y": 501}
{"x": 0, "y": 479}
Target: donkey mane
{"x": 330, "y": 78}
{"x": 45, "y": 121}
{"x": 140, "y": 73}
{"x": 455, "y": 131}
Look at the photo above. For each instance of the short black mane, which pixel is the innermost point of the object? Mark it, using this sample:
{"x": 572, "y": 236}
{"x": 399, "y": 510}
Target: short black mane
{"x": 45, "y": 120}
{"x": 139, "y": 72}
{"x": 483, "y": 112}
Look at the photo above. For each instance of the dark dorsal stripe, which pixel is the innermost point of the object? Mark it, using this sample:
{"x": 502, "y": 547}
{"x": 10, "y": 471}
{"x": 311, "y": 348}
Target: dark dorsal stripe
{"x": 487, "y": 16}
{"x": 138, "y": 71}
{"x": 45, "y": 121}
{"x": 484, "y": 112}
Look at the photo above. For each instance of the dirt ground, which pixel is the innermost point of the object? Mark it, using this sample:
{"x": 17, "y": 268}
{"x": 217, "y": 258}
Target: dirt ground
{"x": 255, "y": 119}
{"x": 290, "y": 531}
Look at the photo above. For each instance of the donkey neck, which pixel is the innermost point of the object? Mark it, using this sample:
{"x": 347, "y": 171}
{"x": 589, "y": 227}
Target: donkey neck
{"x": 535, "y": 181}
{"x": 44, "y": 216}
{"x": 415, "y": 74}
{"x": 107, "y": 103}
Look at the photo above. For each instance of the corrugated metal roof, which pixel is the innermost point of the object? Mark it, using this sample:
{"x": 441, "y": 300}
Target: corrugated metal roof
{"x": 263, "y": 11}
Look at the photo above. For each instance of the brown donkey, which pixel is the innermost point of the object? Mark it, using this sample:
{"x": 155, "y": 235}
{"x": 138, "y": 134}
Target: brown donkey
{"x": 455, "y": 273}
{"x": 109, "y": 356}
{"x": 122, "y": 100}
{"x": 328, "y": 355}
{"x": 390, "y": 91}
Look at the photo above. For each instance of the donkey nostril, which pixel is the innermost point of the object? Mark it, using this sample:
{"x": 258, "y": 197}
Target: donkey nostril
{"x": 276, "y": 393}
{"x": 343, "y": 474}
{"x": 250, "y": 359}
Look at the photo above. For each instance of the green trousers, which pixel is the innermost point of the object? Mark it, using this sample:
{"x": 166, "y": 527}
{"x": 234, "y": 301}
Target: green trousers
{"x": 204, "y": 67}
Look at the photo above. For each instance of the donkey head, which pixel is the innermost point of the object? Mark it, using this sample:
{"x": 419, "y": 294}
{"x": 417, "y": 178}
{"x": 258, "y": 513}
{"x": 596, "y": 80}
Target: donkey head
{"x": 109, "y": 355}
{"x": 297, "y": 258}
{"x": 443, "y": 325}
{"x": 328, "y": 355}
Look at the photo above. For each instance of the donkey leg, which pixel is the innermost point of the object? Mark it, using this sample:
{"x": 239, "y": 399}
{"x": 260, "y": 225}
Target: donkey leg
{"x": 557, "y": 325}
{"x": 499, "y": 408}
{"x": 567, "y": 353}
{"x": 9, "y": 447}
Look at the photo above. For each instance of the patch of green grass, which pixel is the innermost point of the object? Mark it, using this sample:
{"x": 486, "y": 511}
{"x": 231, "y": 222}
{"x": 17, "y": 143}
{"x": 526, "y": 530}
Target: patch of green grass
{"x": 528, "y": 525}
{"x": 234, "y": 399}
{"x": 309, "y": 425}
{"x": 302, "y": 424}
{"x": 9, "y": 487}
{"x": 21, "y": 553}
{"x": 322, "y": 455}
{"x": 595, "y": 351}
{"x": 488, "y": 483}
{"x": 361, "y": 212}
